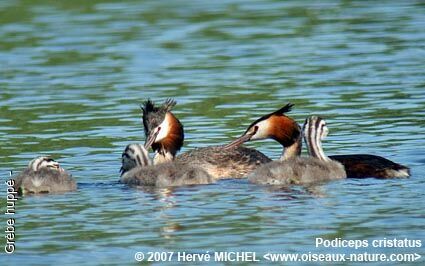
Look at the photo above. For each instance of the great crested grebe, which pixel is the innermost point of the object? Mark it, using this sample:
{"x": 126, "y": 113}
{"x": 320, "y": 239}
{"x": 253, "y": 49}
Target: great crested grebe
{"x": 356, "y": 165}
{"x": 302, "y": 170}
{"x": 277, "y": 126}
{"x": 42, "y": 176}
{"x": 137, "y": 170}
{"x": 164, "y": 133}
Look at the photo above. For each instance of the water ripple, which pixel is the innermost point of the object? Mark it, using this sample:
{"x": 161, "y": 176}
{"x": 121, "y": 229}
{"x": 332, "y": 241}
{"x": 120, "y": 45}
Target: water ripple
{"x": 74, "y": 74}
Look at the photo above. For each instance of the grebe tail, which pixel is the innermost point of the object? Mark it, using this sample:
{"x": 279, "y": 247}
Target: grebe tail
{"x": 368, "y": 165}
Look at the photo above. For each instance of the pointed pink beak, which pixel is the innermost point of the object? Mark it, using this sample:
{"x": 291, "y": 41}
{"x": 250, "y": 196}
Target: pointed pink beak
{"x": 237, "y": 142}
{"x": 151, "y": 139}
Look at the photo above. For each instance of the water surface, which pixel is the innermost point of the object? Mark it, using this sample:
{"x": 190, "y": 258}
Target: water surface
{"x": 73, "y": 74}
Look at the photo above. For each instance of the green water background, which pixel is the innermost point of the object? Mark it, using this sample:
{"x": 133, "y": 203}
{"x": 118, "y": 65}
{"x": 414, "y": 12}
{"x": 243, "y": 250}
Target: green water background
{"x": 73, "y": 74}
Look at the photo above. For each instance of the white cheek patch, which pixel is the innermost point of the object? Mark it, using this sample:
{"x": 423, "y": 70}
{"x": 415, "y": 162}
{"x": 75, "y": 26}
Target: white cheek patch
{"x": 263, "y": 130}
{"x": 165, "y": 129}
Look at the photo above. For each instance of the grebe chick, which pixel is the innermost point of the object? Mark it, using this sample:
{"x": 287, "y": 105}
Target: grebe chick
{"x": 42, "y": 176}
{"x": 302, "y": 170}
{"x": 164, "y": 133}
{"x": 134, "y": 155}
{"x": 137, "y": 170}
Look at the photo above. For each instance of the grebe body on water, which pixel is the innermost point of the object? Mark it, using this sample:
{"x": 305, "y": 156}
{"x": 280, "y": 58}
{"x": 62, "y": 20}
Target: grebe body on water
{"x": 302, "y": 170}
{"x": 356, "y": 165}
{"x": 43, "y": 176}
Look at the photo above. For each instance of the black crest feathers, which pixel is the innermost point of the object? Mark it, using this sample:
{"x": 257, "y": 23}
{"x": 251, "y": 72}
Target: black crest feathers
{"x": 285, "y": 109}
{"x": 153, "y": 115}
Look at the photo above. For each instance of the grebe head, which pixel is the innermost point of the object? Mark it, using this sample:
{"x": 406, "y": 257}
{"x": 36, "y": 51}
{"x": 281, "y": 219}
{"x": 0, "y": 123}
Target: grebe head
{"x": 315, "y": 130}
{"x": 275, "y": 125}
{"x": 164, "y": 132}
{"x": 44, "y": 162}
{"x": 134, "y": 155}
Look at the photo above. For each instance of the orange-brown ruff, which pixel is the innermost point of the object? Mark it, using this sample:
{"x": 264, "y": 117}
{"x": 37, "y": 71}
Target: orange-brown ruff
{"x": 283, "y": 129}
{"x": 174, "y": 140}
{"x": 277, "y": 126}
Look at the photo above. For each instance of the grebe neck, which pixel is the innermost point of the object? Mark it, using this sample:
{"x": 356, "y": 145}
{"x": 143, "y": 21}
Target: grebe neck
{"x": 167, "y": 148}
{"x": 315, "y": 130}
{"x": 291, "y": 151}
{"x": 163, "y": 157}
{"x": 314, "y": 148}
